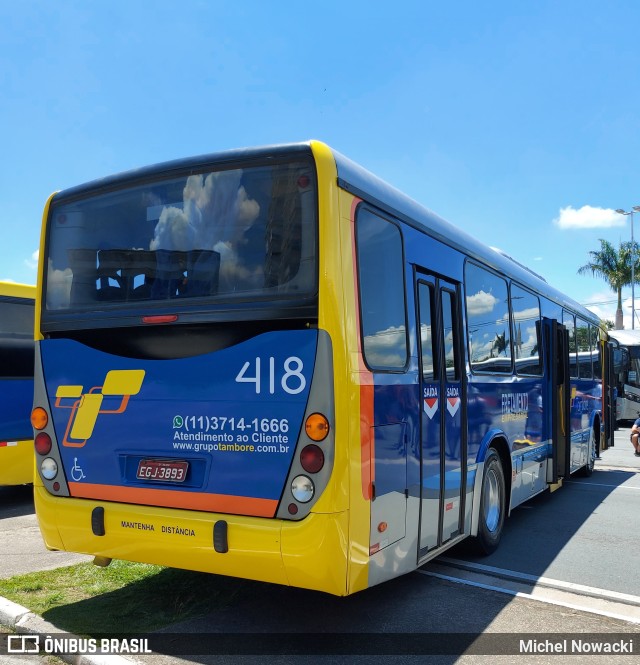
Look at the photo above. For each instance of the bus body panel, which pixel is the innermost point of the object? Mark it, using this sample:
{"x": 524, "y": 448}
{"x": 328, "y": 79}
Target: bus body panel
{"x": 506, "y": 408}
{"x": 17, "y": 462}
{"x": 585, "y": 408}
{"x": 628, "y": 407}
{"x": 15, "y": 409}
{"x": 339, "y": 314}
{"x": 235, "y": 425}
{"x": 16, "y": 383}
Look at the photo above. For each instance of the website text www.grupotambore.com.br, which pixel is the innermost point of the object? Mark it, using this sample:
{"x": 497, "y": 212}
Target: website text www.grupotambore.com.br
{"x": 258, "y": 442}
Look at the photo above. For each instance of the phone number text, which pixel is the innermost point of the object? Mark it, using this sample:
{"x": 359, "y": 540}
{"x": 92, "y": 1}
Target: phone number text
{"x": 224, "y": 424}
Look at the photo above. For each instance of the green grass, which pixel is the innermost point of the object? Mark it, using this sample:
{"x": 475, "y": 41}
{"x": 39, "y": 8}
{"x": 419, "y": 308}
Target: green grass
{"x": 123, "y": 598}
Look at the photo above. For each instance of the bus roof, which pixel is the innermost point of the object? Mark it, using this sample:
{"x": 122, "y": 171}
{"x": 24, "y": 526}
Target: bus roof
{"x": 625, "y": 337}
{"x": 367, "y": 186}
{"x": 16, "y": 290}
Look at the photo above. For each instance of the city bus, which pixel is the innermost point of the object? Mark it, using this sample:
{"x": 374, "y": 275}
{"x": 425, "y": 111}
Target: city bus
{"x": 16, "y": 382}
{"x": 626, "y": 358}
{"x": 268, "y": 363}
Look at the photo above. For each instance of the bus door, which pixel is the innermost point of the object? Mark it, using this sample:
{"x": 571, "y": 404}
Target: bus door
{"x": 443, "y": 441}
{"x": 558, "y": 396}
{"x": 609, "y": 407}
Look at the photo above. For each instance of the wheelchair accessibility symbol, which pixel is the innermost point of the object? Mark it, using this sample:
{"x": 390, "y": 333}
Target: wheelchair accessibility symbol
{"x": 76, "y": 471}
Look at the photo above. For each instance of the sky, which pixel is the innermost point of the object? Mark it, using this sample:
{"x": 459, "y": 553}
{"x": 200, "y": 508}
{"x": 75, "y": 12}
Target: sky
{"x": 519, "y": 122}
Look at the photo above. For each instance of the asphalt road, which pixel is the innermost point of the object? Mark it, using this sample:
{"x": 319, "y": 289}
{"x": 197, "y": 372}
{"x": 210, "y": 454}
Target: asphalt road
{"x": 587, "y": 533}
{"x": 583, "y": 536}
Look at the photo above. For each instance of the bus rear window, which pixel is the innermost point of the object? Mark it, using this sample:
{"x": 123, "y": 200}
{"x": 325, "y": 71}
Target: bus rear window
{"x": 16, "y": 337}
{"x": 226, "y": 235}
{"x": 17, "y": 318}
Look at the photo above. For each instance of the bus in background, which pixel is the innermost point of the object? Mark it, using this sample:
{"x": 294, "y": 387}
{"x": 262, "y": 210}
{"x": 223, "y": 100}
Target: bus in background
{"x": 16, "y": 382}
{"x": 626, "y": 355}
{"x": 268, "y": 363}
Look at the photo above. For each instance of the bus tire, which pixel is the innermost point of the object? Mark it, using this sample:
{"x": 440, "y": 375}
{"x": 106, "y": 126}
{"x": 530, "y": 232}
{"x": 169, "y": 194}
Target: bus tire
{"x": 492, "y": 504}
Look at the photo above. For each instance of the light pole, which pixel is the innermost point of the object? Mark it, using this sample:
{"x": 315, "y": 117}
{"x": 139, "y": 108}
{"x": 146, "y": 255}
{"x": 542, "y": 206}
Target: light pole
{"x": 620, "y": 211}
{"x": 633, "y": 263}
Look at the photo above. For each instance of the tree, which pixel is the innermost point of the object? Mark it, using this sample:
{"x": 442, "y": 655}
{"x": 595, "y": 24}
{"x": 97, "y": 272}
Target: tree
{"x": 615, "y": 268}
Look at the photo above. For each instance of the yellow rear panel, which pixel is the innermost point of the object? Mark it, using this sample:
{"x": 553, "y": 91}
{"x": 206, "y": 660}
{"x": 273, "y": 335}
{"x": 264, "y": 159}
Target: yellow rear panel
{"x": 309, "y": 554}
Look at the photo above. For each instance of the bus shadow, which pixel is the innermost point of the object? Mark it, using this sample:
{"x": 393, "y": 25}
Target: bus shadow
{"x": 543, "y": 535}
{"x": 16, "y": 501}
{"x": 220, "y": 619}
{"x": 214, "y": 619}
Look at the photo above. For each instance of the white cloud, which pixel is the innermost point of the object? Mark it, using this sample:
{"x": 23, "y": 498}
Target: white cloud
{"x": 216, "y": 212}
{"x": 32, "y": 262}
{"x": 604, "y": 304}
{"x": 173, "y": 231}
{"x": 481, "y": 303}
{"x": 588, "y": 217}
{"x": 59, "y": 284}
{"x": 387, "y": 348}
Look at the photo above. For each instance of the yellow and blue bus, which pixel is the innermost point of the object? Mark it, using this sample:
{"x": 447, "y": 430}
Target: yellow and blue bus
{"x": 16, "y": 382}
{"x": 268, "y": 363}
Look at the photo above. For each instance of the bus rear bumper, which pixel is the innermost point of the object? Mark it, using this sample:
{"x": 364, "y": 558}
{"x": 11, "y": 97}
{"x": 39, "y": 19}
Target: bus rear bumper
{"x": 309, "y": 554}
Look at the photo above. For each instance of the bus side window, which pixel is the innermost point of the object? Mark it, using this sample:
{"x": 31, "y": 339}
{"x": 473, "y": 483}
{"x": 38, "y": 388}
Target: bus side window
{"x": 569, "y": 323}
{"x": 382, "y": 292}
{"x": 583, "y": 342}
{"x": 596, "y": 350}
{"x": 527, "y": 345}
{"x": 426, "y": 333}
{"x": 487, "y": 304}
{"x": 560, "y": 357}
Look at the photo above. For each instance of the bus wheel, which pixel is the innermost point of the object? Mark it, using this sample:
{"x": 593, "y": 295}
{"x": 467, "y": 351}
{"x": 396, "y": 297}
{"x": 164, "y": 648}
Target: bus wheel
{"x": 492, "y": 504}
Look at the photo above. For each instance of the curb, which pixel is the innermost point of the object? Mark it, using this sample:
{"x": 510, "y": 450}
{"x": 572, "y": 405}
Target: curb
{"x": 24, "y": 622}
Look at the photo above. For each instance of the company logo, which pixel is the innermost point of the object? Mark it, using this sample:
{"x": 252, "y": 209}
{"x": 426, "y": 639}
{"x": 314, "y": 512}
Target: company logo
{"x": 65, "y": 644}
{"x": 23, "y": 644}
{"x": 86, "y": 407}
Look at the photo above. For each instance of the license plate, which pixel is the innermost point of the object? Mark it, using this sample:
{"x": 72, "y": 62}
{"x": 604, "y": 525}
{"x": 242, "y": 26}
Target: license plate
{"x": 168, "y": 471}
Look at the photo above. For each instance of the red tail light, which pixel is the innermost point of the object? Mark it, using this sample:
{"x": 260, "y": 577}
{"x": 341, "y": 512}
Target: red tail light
{"x": 160, "y": 318}
{"x": 42, "y": 443}
{"x": 312, "y": 458}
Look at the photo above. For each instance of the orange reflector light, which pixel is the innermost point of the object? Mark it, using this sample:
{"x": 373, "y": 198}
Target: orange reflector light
{"x": 317, "y": 427}
{"x": 39, "y": 418}
{"x": 160, "y": 318}
{"x": 382, "y": 527}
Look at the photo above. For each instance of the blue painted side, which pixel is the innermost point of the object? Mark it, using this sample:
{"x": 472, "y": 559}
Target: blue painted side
{"x": 511, "y": 407}
{"x": 396, "y": 433}
{"x": 16, "y": 402}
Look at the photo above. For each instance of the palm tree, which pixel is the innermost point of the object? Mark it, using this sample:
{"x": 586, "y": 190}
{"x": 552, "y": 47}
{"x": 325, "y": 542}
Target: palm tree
{"x": 614, "y": 267}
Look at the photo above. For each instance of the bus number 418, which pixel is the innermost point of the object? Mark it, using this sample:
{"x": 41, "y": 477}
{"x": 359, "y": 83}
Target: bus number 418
{"x": 291, "y": 377}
